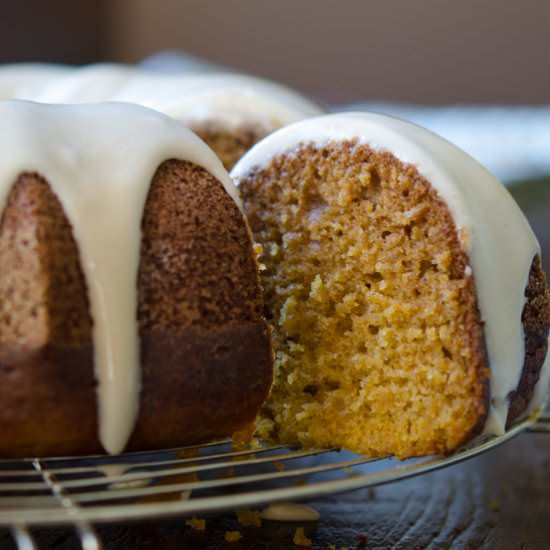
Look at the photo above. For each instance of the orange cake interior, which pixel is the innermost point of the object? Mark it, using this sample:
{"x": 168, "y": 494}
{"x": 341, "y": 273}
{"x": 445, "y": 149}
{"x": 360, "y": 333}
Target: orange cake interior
{"x": 379, "y": 348}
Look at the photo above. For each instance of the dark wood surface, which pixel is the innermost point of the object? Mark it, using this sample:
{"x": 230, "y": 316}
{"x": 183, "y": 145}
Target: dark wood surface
{"x": 500, "y": 500}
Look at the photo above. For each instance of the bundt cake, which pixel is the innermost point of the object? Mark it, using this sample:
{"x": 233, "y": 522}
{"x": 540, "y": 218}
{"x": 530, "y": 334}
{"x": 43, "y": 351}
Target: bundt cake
{"x": 404, "y": 286}
{"x": 229, "y": 112}
{"x": 130, "y": 305}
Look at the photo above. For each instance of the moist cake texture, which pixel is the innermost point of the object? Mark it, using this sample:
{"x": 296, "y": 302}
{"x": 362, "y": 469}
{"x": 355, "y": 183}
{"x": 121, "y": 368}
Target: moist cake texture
{"x": 367, "y": 289}
{"x": 379, "y": 340}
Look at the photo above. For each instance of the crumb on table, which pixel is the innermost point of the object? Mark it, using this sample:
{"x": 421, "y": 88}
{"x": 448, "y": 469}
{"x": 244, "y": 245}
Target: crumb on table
{"x": 197, "y": 524}
{"x": 249, "y": 518}
{"x": 233, "y": 536}
{"x": 300, "y": 538}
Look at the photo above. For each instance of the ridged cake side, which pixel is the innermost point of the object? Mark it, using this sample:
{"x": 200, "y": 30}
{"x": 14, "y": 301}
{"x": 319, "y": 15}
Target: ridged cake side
{"x": 205, "y": 352}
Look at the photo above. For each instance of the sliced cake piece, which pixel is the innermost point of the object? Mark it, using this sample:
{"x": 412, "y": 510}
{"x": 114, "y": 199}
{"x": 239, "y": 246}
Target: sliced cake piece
{"x": 404, "y": 285}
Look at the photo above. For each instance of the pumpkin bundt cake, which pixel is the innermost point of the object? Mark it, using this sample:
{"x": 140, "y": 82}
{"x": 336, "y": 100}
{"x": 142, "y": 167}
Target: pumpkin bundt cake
{"x": 130, "y": 305}
{"x": 230, "y": 112}
{"x": 404, "y": 286}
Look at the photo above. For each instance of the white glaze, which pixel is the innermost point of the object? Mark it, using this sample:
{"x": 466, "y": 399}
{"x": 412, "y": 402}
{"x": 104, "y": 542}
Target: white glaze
{"x": 494, "y": 233}
{"x": 290, "y": 511}
{"x": 99, "y": 160}
{"x": 87, "y": 84}
{"x": 26, "y": 80}
{"x": 230, "y": 100}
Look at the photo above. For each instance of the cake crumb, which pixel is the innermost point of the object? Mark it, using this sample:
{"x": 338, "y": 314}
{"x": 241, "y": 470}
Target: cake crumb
{"x": 197, "y": 524}
{"x": 300, "y": 538}
{"x": 233, "y": 536}
{"x": 258, "y": 249}
{"x": 242, "y": 438}
{"x": 255, "y": 444}
{"x": 249, "y": 518}
{"x": 279, "y": 466}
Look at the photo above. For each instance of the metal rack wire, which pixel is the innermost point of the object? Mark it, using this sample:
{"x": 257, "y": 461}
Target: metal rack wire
{"x": 80, "y": 492}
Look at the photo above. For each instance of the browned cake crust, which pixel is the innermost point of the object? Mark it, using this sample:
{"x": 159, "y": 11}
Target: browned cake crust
{"x": 536, "y": 324}
{"x": 206, "y": 359}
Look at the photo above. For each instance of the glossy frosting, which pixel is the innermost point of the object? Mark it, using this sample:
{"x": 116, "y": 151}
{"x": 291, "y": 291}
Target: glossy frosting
{"x": 231, "y": 100}
{"x": 99, "y": 160}
{"x": 26, "y": 80}
{"x": 87, "y": 84}
{"x": 492, "y": 229}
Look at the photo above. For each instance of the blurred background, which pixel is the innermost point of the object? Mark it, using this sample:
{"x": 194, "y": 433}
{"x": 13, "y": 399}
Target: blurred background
{"x": 415, "y": 56}
{"x": 421, "y": 51}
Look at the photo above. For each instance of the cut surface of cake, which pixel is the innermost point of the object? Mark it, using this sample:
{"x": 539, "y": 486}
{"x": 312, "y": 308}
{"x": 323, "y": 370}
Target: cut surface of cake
{"x": 130, "y": 304}
{"x": 404, "y": 286}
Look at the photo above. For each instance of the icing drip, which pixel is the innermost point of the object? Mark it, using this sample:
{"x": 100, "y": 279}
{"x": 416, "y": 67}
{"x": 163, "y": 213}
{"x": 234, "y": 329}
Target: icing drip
{"x": 493, "y": 231}
{"x": 99, "y": 161}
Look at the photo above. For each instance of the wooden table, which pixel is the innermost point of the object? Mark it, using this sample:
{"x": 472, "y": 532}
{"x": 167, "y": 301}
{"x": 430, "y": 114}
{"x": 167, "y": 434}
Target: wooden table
{"x": 500, "y": 500}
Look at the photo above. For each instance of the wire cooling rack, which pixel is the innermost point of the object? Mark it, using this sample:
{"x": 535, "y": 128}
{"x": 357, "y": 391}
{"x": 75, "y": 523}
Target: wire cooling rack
{"x": 80, "y": 492}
